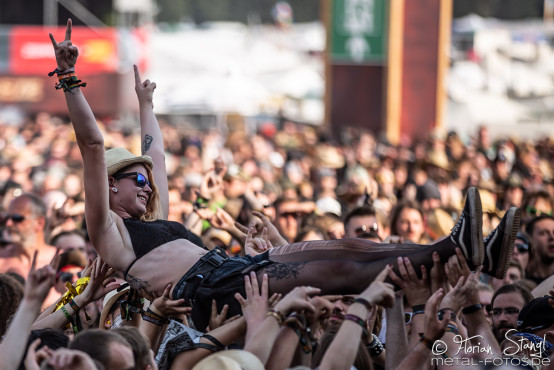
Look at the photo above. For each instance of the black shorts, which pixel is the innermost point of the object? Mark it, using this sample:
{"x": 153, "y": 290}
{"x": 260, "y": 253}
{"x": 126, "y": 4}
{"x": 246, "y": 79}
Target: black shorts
{"x": 215, "y": 276}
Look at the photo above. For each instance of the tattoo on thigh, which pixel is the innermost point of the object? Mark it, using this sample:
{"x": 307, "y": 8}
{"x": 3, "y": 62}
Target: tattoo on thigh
{"x": 146, "y": 143}
{"x": 288, "y": 270}
{"x": 136, "y": 283}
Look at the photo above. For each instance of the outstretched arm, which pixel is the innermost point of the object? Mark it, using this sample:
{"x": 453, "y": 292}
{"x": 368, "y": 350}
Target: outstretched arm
{"x": 101, "y": 227}
{"x": 37, "y": 287}
{"x": 151, "y": 137}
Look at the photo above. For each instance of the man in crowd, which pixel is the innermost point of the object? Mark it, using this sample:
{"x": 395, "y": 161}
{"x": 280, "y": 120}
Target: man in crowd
{"x": 25, "y": 223}
{"x": 507, "y": 302}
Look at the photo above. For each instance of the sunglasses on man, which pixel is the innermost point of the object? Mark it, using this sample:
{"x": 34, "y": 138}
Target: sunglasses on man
{"x": 142, "y": 181}
{"x": 16, "y": 218}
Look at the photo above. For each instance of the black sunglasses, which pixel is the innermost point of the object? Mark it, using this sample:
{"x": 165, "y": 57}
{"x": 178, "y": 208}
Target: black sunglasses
{"x": 142, "y": 181}
{"x": 16, "y": 218}
{"x": 408, "y": 317}
{"x": 68, "y": 276}
{"x": 522, "y": 247}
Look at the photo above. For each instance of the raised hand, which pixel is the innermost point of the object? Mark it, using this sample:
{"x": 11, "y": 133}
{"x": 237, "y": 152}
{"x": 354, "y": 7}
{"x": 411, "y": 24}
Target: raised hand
{"x": 165, "y": 306}
{"x": 256, "y": 245}
{"x": 456, "y": 267}
{"x": 39, "y": 282}
{"x": 256, "y": 303}
{"x": 297, "y": 299}
{"x": 64, "y": 358}
{"x": 66, "y": 53}
{"x": 144, "y": 89}
{"x": 100, "y": 278}
{"x": 272, "y": 233}
{"x": 379, "y": 292}
{"x": 35, "y": 357}
{"x": 222, "y": 220}
{"x": 434, "y": 328}
{"x": 417, "y": 290}
{"x": 464, "y": 293}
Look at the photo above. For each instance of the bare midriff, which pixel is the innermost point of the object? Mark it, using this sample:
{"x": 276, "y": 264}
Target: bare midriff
{"x": 165, "y": 264}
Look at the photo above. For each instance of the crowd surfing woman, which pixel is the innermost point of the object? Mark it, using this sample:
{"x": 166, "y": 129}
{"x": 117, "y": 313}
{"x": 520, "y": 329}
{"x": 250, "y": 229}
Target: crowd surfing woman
{"x": 126, "y": 210}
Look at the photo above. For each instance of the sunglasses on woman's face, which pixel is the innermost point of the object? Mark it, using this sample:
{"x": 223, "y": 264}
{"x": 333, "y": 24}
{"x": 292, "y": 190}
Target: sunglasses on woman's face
{"x": 142, "y": 181}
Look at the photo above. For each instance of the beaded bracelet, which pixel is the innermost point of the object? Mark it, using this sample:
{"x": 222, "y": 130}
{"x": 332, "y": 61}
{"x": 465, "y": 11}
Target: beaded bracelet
{"x": 365, "y": 302}
{"x": 358, "y": 321}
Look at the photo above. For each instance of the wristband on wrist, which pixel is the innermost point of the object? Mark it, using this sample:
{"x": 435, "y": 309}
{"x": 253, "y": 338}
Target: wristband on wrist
{"x": 375, "y": 347}
{"x": 428, "y": 342}
{"x": 365, "y": 302}
{"x": 451, "y": 328}
{"x": 154, "y": 318}
{"x": 358, "y": 321}
{"x": 77, "y": 308}
{"x": 66, "y": 313}
{"x": 471, "y": 309}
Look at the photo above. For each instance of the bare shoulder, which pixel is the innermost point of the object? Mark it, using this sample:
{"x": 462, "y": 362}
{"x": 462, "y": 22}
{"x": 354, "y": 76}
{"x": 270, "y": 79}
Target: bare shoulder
{"x": 113, "y": 244}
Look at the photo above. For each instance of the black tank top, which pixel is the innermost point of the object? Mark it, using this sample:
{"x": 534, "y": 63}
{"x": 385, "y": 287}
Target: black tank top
{"x": 147, "y": 236}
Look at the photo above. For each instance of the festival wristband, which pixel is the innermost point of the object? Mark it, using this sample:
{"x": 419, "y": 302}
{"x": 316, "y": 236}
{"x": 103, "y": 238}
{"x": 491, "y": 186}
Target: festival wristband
{"x": 365, "y": 302}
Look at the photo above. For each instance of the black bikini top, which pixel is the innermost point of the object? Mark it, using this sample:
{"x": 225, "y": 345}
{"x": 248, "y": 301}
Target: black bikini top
{"x": 147, "y": 236}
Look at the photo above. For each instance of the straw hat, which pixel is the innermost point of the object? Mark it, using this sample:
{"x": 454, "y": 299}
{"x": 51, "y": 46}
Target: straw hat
{"x": 119, "y": 158}
{"x": 439, "y": 223}
{"x": 230, "y": 360}
{"x": 109, "y": 300}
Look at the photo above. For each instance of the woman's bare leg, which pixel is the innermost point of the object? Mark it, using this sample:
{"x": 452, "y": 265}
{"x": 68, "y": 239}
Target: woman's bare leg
{"x": 349, "y": 265}
{"x": 345, "y": 271}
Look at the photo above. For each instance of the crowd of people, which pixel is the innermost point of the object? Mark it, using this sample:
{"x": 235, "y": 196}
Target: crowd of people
{"x": 274, "y": 248}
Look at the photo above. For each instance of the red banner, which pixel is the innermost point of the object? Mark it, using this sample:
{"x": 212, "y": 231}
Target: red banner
{"x": 31, "y": 52}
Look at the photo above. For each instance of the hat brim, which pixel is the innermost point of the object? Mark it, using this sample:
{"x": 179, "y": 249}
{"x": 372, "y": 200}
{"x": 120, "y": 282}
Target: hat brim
{"x": 119, "y": 158}
{"x": 108, "y": 306}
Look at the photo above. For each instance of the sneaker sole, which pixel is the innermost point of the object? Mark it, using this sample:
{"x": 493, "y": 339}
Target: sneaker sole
{"x": 509, "y": 238}
{"x": 476, "y": 216}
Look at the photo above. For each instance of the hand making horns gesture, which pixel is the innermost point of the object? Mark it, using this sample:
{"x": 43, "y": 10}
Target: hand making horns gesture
{"x": 66, "y": 53}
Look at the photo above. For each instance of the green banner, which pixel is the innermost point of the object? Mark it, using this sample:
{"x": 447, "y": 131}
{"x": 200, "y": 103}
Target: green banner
{"x": 358, "y": 31}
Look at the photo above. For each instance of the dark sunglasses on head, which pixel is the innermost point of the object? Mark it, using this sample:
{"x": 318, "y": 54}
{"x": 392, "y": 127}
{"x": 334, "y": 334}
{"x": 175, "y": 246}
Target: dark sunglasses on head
{"x": 142, "y": 181}
{"x": 16, "y": 218}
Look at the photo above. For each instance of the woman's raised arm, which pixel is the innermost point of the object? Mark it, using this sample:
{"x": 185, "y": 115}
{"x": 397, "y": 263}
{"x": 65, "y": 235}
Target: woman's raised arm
{"x": 151, "y": 136}
{"x": 91, "y": 144}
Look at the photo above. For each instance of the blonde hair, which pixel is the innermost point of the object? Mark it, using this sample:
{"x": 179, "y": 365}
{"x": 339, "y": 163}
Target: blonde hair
{"x": 154, "y": 206}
